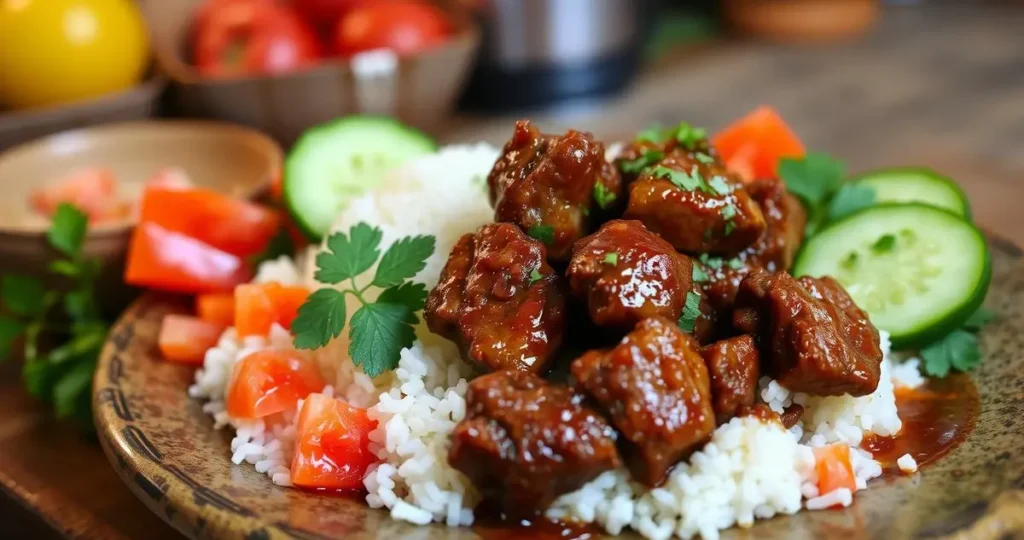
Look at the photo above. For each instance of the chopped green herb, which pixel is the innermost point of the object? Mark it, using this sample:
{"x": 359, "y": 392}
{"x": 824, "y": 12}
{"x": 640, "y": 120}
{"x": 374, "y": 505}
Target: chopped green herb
{"x": 729, "y": 228}
{"x": 544, "y": 233}
{"x": 691, "y": 312}
{"x": 689, "y": 136}
{"x": 735, "y": 263}
{"x": 884, "y": 244}
{"x": 688, "y": 181}
{"x": 535, "y": 276}
{"x": 62, "y": 375}
{"x": 603, "y": 196}
{"x": 978, "y": 319}
{"x": 699, "y": 275}
{"x": 729, "y": 211}
{"x": 652, "y": 134}
{"x": 379, "y": 330}
{"x": 634, "y": 166}
{"x": 813, "y": 178}
{"x": 850, "y": 199}
{"x": 710, "y": 262}
{"x": 957, "y": 350}
{"x": 704, "y": 158}
{"x": 719, "y": 185}
{"x": 611, "y": 259}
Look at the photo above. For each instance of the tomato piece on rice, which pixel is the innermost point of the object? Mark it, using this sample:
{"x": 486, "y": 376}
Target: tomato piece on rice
{"x": 835, "y": 469}
{"x": 271, "y": 381}
{"x": 260, "y": 305}
{"x": 186, "y": 339}
{"x": 332, "y": 445}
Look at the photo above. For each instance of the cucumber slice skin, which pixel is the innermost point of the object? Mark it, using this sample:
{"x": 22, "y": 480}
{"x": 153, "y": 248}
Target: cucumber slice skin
{"x": 916, "y": 184}
{"x": 951, "y": 316}
{"x": 349, "y": 136}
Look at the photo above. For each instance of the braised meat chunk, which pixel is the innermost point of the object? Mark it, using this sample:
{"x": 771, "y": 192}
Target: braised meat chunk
{"x": 552, "y": 186}
{"x": 785, "y": 218}
{"x": 524, "y": 442}
{"x": 733, "y": 367}
{"x": 624, "y": 273}
{"x": 499, "y": 300}
{"x": 696, "y": 205}
{"x": 654, "y": 388}
{"x": 811, "y": 335}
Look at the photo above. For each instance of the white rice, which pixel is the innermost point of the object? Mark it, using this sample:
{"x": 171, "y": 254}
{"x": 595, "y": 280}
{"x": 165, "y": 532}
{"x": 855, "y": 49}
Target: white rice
{"x": 749, "y": 470}
{"x": 907, "y": 463}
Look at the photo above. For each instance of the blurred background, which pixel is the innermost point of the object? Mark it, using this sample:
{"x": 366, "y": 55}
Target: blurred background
{"x": 877, "y": 82}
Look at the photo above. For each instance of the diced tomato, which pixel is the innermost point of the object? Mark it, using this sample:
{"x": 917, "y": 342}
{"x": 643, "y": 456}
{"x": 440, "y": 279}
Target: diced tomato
{"x": 93, "y": 191}
{"x": 226, "y": 223}
{"x": 170, "y": 177}
{"x": 216, "y": 308}
{"x": 270, "y": 381}
{"x": 332, "y": 445}
{"x": 752, "y": 146}
{"x": 835, "y": 470}
{"x": 259, "y": 305}
{"x": 186, "y": 339}
{"x": 170, "y": 261}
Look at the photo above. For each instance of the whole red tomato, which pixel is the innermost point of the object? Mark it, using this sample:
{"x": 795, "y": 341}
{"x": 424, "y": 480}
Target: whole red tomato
{"x": 325, "y": 14}
{"x": 404, "y": 26}
{"x": 238, "y": 37}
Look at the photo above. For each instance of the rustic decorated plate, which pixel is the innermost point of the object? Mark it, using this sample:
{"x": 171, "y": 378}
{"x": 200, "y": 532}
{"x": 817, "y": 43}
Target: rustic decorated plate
{"x": 168, "y": 453}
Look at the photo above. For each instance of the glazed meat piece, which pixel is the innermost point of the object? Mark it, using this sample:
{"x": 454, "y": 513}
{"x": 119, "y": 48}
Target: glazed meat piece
{"x": 499, "y": 300}
{"x": 696, "y": 205}
{"x": 654, "y": 388}
{"x": 553, "y": 186}
{"x": 524, "y": 442}
{"x": 811, "y": 335}
{"x": 625, "y": 273}
{"x": 775, "y": 251}
{"x": 733, "y": 367}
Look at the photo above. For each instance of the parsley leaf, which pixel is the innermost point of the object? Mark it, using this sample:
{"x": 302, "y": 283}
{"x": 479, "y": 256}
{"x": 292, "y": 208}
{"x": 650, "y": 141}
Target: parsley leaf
{"x": 603, "y": 196}
{"x": 691, "y": 312}
{"x": 320, "y": 319}
{"x": 728, "y": 211}
{"x": 978, "y": 319}
{"x": 729, "y": 227}
{"x": 379, "y": 333}
{"x": 884, "y": 244}
{"x": 719, "y": 185}
{"x": 71, "y": 386}
{"x": 689, "y": 136}
{"x": 957, "y": 350}
{"x": 409, "y": 294}
{"x": 850, "y": 199}
{"x": 67, "y": 229}
{"x": 535, "y": 276}
{"x": 23, "y": 295}
{"x": 634, "y": 166}
{"x": 348, "y": 255}
{"x": 704, "y": 158}
{"x": 710, "y": 262}
{"x": 10, "y": 329}
{"x": 735, "y": 263}
{"x": 699, "y": 275}
{"x": 611, "y": 258}
{"x": 652, "y": 134}
{"x": 813, "y": 178}
{"x": 403, "y": 260}
{"x": 544, "y": 233}
{"x": 689, "y": 181}
{"x": 380, "y": 329}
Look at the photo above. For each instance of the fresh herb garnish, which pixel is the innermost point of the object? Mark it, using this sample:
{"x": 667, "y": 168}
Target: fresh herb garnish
{"x": 634, "y": 166}
{"x": 603, "y": 196}
{"x": 815, "y": 179}
{"x": 689, "y": 136}
{"x": 710, "y": 262}
{"x": 699, "y": 275}
{"x": 729, "y": 211}
{"x": 535, "y": 276}
{"x": 884, "y": 244}
{"x": 735, "y": 263}
{"x": 380, "y": 329}
{"x": 60, "y": 376}
{"x": 654, "y": 133}
{"x": 958, "y": 350}
{"x": 719, "y": 185}
{"x": 729, "y": 228}
{"x": 544, "y": 233}
{"x": 611, "y": 259}
{"x": 704, "y": 158}
{"x": 849, "y": 200}
{"x": 691, "y": 312}
{"x": 688, "y": 181}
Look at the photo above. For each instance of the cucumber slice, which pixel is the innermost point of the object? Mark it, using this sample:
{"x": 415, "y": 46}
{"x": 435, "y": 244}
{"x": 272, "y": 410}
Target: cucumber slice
{"x": 916, "y": 184}
{"x": 334, "y": 162}
{"x": 917, "y": 270}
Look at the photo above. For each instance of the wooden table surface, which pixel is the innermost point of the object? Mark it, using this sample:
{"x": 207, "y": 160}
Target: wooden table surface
{"x": 936, "y": 86}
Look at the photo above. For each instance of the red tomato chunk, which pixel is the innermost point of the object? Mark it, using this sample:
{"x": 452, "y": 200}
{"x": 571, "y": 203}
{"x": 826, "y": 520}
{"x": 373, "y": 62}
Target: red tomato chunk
{"x": 169, "y": 261}
{"x": 332, "y": 445}
{"x": 752, "y": 146}
{"x": 260, "y": 305}
{"x": 186, "y": 339}
{"x": 269, "y": 381}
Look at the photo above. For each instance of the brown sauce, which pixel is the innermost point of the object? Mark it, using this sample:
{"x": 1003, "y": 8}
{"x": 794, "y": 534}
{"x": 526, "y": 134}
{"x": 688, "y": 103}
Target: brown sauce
{"x": 490, "y": 524}
{"x": 936, "y": 418}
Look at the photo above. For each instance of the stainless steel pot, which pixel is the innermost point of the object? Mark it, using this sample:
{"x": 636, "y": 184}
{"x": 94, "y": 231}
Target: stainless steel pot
{"x": 543, "y": 52}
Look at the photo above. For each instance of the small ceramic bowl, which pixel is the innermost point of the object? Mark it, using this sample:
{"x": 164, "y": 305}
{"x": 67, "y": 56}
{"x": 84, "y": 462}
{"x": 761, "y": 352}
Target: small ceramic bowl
{"x": 420, "y": 90}
{"x": 224, "y": 157}
{"x": 801, "y": 21}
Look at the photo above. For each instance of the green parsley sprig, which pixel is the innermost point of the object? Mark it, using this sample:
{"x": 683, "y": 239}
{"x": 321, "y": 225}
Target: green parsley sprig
{"x": 379, "y": 329}
{"x": 958, "y": 350}
{"x": 60, "y": 376}
{"x": 817, "y": 179}
{"x": 691, "y": 312}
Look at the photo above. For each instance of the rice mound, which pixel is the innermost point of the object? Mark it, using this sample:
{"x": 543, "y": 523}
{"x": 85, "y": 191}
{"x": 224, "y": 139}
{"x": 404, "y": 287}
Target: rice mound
{"x": 749, "y": 470}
